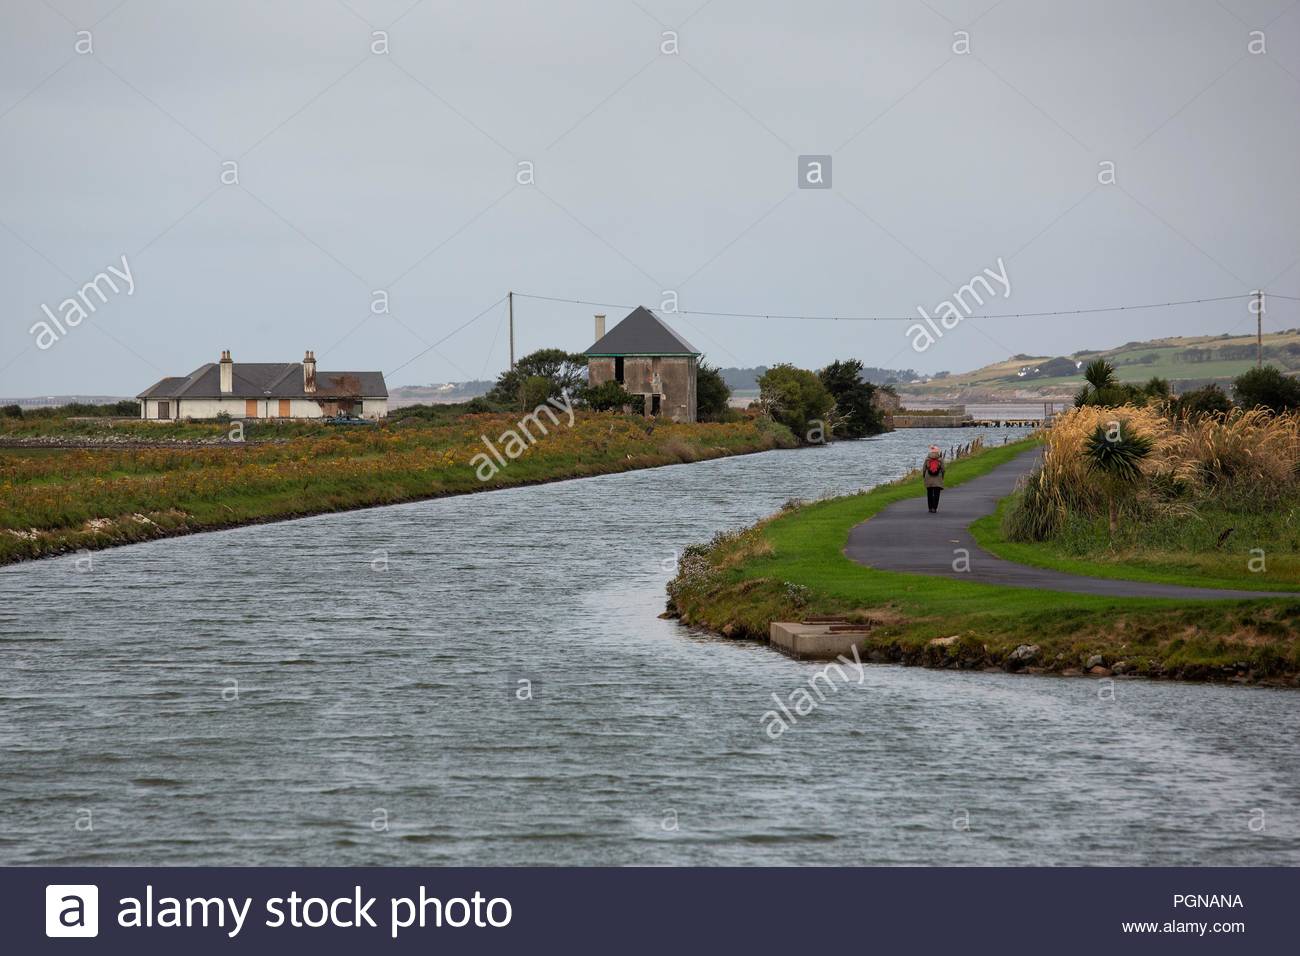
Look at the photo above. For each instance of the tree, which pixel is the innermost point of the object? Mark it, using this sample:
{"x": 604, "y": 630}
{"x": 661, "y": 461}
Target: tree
{"x": 1209, "y": 400}
{"x": 564, "y": 371}
{"x": 11, "y": 411}
{"x": 855, "y": 414}
{"x": 535, "y": 390}
{"x": 1157, "y": 387}
{"x": 1102, "y": 387}
{"x": 610, "y": 396}
{"x": 796, "y": 398}
{"x": 1100, "y": 374}
{"x": 1267, "y": 388}
{"x": 711, "y": 393}
{"x": 1115, "y": 452}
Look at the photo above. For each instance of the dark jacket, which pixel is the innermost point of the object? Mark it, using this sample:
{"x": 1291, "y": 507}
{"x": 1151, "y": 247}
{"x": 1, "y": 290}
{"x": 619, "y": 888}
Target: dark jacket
{"x": 932, "y": 481}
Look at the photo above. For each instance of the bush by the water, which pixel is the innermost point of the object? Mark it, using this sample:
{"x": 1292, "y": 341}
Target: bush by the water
{"x": 855, "y": 414}
{"x": 797, "y": 399}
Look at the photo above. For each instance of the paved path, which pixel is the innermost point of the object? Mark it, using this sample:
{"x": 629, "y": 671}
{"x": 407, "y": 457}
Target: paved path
{"x": 906, "y": 537}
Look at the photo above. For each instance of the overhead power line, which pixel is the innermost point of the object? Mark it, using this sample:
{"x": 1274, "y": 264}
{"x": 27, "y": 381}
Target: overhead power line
{"x": 463, "y": 325}
{"x": 840, "y": 318}
{"x": 896, "y": 318}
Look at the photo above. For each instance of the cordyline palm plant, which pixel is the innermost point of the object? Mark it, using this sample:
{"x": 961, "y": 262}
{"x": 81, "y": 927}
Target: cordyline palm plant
{"x": 1116, "y": 452}
{"x": 1099, "y": 374}
{"x": 1100, "y": 384}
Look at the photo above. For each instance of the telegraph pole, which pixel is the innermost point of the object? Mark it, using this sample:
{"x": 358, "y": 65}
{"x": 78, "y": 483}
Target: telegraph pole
{"x": 1259, "y": 328}
{"x": 510, "y": 307}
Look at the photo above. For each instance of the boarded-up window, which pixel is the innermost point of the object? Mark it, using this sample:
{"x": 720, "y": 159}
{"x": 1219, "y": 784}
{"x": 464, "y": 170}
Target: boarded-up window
{"x": 250, "y": 408}
{"x": 284, "y": 408}
{"x": 164, "y": 409}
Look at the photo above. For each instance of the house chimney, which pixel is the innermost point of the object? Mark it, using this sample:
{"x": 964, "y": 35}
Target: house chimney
{"x": 309, "y": 372}
{"x": 227, "y": 373}
{"x": 600, "y": 326}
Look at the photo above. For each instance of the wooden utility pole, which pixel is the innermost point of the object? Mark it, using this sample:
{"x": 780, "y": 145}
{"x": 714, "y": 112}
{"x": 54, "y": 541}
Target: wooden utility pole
{"x": 1259, "y": 328}
{"x": 510, "y": 307}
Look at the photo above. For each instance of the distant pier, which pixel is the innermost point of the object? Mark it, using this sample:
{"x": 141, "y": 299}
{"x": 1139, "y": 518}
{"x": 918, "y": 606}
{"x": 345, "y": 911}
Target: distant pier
{"x": 1020, "y": 415}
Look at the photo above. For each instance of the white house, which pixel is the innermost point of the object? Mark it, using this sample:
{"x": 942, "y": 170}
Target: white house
{"x": 265, "y": 390}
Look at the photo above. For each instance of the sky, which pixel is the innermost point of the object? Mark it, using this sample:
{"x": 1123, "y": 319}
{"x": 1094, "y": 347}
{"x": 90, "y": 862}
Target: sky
{"x": 369, "y": 178}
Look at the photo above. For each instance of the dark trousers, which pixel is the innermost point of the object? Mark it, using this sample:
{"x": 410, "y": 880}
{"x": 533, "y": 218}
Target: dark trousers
{"x": 932, "y": 495}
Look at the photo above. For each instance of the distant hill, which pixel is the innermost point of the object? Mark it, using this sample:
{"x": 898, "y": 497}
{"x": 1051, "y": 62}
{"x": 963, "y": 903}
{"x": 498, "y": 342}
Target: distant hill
{"x": 49, "y": 401}
{"x": 1186, "y": 361}
{"x": 436, "y": 394}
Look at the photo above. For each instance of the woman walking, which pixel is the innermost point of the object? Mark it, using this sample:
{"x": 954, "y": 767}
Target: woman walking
{"x": 932, "y": 475}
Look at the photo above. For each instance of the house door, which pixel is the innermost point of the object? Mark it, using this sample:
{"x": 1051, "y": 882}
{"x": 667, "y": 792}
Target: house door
{"x": 164, "y": 409}
{"x": 284, "y": 408}
{"x": 656, "y": 404}
{"x": 250, "y": 408}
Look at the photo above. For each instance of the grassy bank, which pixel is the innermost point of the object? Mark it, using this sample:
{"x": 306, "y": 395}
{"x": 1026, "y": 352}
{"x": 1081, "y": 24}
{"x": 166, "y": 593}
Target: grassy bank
{"x": 1214, "y": 547}
{"x": 57, "y": 500}
{"x": 1214, "y": 500}
{"x": 791, "y": 566}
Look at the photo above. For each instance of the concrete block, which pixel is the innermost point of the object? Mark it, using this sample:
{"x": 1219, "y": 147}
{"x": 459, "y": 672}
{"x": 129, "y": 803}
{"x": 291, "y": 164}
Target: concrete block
{"x": 819, "y": 642}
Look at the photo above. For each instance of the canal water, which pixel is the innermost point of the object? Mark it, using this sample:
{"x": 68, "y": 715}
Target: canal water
{"x": 484, "y": 680}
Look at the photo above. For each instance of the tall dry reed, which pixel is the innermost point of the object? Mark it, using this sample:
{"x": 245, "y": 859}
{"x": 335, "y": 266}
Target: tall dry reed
{"x": 1245, "y": 459}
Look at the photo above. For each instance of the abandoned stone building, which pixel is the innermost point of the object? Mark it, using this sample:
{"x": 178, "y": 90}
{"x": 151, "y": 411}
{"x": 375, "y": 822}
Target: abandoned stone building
{"x": 650, "y": 360}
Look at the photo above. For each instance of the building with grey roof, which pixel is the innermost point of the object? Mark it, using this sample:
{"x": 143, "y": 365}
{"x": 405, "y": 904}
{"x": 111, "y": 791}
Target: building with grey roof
{"x": 265, "y": 390}
{"x": 650, "y": 360}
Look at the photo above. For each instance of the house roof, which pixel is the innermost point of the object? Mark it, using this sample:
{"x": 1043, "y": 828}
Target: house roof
{"x": 268, "y": 380}
{"x": 642, "y": 333}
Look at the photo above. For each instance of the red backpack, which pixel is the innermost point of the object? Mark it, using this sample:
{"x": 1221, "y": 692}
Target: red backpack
{"x": 932, "y": 465}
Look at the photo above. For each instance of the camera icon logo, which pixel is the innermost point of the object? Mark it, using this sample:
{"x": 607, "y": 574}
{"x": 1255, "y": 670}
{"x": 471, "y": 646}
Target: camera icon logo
{"x": 71, "y": 909}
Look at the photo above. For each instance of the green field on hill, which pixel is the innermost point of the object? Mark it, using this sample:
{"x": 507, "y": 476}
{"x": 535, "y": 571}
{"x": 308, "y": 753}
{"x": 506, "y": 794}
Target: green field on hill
{"x": 1189, "y": 359}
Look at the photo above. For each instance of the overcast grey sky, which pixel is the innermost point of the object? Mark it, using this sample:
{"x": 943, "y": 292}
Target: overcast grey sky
{"x": 657, "y": 166}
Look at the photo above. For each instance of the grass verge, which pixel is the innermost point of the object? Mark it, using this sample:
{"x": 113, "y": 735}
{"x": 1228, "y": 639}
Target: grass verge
{"x": 53, "y": 502}
{"x": 1257, "y": 552}
{"x": 791, "y": 566}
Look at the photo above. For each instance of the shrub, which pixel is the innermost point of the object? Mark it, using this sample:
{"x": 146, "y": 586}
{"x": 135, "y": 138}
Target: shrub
{"x": 1267, "y": 388}
{"x": 1115, "y": 453}
{"x": 1209, "y": 400}
{"x": 856, "y": 413}
{"x": 711, "y": 393}
{"x": 610, "y": 396}
{"x": 11, "y": 411}
{"x": 439, "y": 412}
{"x": 536, "y": 390}
{"x": 1247, "y": 460}
{"x": 560, "y": 370}
{"x": 797, "y": 399}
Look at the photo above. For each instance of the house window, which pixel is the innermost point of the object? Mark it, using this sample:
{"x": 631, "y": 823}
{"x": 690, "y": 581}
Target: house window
{"x": 164, "y": 409}
{"x": 618, "y": 369}
{"x": 250, "y": 408}
{"x": 284, "y": 408}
